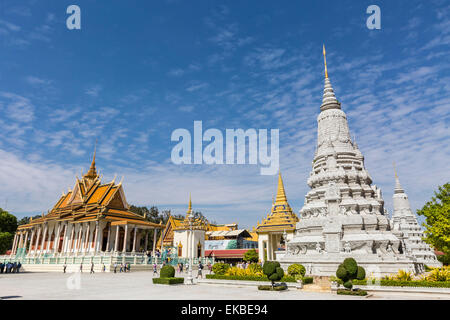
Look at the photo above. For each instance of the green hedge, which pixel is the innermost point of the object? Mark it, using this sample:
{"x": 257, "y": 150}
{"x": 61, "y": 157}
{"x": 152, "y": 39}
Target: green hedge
{"x": 430, "y": 284}
{"x": 269, "y": 287}
{"x": 308, "y": 280}
{"x": 398, "y": 283}
{"x": 352, "y": 292}
{"x": 168, "y": 280}
{"x": 246, "y": 278}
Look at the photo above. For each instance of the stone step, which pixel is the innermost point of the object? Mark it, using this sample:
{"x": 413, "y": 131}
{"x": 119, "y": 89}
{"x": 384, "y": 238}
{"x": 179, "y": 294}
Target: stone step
{"x": 316, "y": 288}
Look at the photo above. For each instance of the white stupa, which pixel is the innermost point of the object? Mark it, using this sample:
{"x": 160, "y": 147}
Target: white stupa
{"x": 404, "y": 220}
{"x": 343, "y": 214}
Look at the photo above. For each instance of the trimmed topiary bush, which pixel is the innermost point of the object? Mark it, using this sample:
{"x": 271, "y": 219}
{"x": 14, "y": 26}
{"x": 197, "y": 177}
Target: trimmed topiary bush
{"x": 167, "y": 272}
{"x": 273, "y": 271}
{"x": 352, "y": 293}
{"x": 361, "y": 274}
{"x": 351, "y": 266}
{"x": 279, "y": 287}
{"x": 296, "y": 269}
{"x": 342, "y": 273}
{"x": 348, "y": 271}
{"x": 168, "y": 280}
{"x": 348, "y": 284}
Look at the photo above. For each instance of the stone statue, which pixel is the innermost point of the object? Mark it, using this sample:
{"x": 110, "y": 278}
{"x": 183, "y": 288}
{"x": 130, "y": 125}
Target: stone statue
{"x": 347, "y": 247}
{"x": 318, "y": 247}
{"x": 332, "y": 191}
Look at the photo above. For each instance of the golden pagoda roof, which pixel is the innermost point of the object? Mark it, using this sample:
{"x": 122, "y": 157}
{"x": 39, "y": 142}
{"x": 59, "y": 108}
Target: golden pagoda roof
{"x": 281, "y": 216}
{"x": 191, "y": 222}
{"x": 91, "y": 200}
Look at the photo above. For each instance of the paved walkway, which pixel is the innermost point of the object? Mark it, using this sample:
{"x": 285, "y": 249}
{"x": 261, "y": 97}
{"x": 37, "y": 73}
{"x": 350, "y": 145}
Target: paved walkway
{"x": 138, "y": 285}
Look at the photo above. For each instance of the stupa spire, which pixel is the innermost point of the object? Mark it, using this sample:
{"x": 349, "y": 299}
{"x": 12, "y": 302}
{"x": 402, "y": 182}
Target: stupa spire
{"x": 281, "y": 194}
{"x": 398, "y": 187}
{"x": 329, "y": 100}
{"x": 189, "y": 211}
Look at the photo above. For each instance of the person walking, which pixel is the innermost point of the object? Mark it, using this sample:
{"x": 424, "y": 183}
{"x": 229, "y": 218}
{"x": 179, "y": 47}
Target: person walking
{"x": 92, "y": 267}
{"x": 199, "y": 273}
{"x": 64, "y": 268}
{"x": 2, "y": 267}
{"x": 115, "y": 267}
{"x": 129, "y": 267}
{"x": 104, "y": 268}
{"x": 81, "y": 267}
{"x": 121, "y": 268}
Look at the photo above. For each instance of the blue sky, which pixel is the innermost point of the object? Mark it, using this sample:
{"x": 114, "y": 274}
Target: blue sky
{"x": 137, "y": 70}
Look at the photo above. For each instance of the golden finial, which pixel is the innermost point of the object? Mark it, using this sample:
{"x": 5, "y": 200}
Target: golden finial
{"x": 325, "y": 61}
{"x": 190, "y": 204}
{"x": 395, "y": 171}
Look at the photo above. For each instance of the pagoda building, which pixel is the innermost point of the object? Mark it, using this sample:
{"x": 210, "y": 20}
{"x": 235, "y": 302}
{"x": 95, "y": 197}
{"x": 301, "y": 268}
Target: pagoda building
{"x": 222, "y": 241}
{"x": 91, "y": 219}
{"x": 343, "y": 214}
{"x": 404, "y": 220}
{"x": 279, "y": 224}
{"x": 189, "y": 235}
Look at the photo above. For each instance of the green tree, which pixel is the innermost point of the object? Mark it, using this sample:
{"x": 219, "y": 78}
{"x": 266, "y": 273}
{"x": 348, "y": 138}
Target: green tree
{"x": 8, "y": 222}
{"x": 348, "y": 271}
{"x": 8, "y": 226}
{"x": 273, "y": 271}
{"x": 251, "y": 256}
{"x": 26, "y": 220}
{"x": 437, "y": 219}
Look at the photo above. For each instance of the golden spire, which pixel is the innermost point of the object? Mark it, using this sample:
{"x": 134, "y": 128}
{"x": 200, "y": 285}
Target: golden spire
{"x": 325, "y": 61}
{"x": 189, "y": 211}
{"x": 281, "y": 194}
{"x": 92, "y": 171}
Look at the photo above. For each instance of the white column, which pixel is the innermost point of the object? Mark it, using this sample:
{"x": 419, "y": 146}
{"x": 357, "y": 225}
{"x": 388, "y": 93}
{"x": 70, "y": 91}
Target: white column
{"x": 109, "y": 237}
{"x": 49, "y": 239}
{"x": 146, "y": 241}
{"x": 80, "y": 234}
{"x": 44, "y": 235}
{"x": 70, "y": 244}
{"x": 26, "y": 239}
{"x": 86, "y": 240}
{"x": 116, "y": 243}
{"x": 31, "y": 240}
{"x": 125, "y": 238}
{"x": 154, "y": 241}
{"x": 14, "y": 244}
{"x": 20, "y": 240}
{"x": 56, "y": 241}
{"x": 97, "y": 229}
{"x": 37, "y": 239}
{"x": 134, "y": 239}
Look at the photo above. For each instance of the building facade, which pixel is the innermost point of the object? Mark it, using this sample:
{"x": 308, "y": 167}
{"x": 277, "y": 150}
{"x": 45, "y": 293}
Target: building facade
{"x": 277, "y": 226}
{"x": 92, "y": 220}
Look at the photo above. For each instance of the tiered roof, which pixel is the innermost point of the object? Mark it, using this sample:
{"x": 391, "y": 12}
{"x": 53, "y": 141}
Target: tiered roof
{"x": 281, "y": 216}
{"x": 91, "y": 200}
